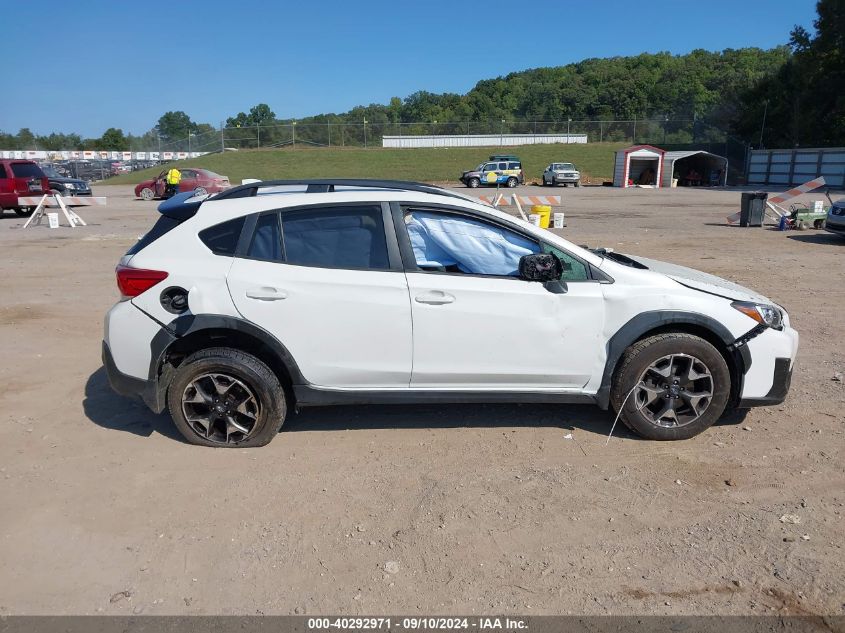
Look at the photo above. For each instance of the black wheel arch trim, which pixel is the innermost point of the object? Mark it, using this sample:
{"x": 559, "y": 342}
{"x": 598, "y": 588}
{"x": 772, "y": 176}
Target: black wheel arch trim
{"x": 160, "y": 372}
{"x": 646, "y": 322}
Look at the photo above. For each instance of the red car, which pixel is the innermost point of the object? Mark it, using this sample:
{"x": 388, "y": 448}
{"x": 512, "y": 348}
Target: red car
{"x": 21, "y": 178}
{"x": 200, "y": 181}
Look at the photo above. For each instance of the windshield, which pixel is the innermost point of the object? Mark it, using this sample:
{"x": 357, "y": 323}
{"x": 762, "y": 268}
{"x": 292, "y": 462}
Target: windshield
{"x": 51, "y": 172}
{"x": 562, "y": 166}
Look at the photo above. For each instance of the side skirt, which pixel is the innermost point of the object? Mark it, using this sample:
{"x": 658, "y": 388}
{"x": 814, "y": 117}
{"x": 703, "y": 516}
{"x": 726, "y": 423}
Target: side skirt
{"x": 309, "y": 396}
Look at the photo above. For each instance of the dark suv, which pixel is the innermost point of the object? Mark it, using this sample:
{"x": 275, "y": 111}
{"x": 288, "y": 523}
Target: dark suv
{"x": 20, "y": 178}
{"x": 65, "y": 185}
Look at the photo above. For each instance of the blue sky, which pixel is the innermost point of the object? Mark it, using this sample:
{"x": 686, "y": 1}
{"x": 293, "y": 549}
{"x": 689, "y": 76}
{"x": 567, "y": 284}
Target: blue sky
{"x": 84, "y": 66}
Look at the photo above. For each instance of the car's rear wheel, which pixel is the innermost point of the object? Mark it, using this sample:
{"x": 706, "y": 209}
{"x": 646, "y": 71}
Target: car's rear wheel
{"x": 512, "y": 182}
{"x": 819, "y": 224}
{"x": 473, "y": 183}
{"x": 24, "y": 211}
{"x": 147, "y": 194}
{"x": 671, "y": 386}
{"x": 227, "y": 398}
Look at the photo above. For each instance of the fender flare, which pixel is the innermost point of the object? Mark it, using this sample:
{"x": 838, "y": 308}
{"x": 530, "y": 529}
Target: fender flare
{"x": 160, "y": 374}
{"x": 645, "y": 322}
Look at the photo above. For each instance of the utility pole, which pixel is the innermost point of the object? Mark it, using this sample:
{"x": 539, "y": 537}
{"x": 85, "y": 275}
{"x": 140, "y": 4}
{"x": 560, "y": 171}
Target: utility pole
{"x": 568, "y": 122}
{"x": 258, "y": 134}
{"x": 763, "y": 124}
{"x": 365, "y": 133}
{"x": 293, "y": 133}
{"x": 222, "y": 139}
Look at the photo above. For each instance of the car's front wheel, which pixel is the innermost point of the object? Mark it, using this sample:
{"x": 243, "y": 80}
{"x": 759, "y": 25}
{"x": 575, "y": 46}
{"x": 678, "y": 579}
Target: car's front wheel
{"x": 671, "y": 386}
{"x": 228, "y": 398}
{"x": 473, "y": 183}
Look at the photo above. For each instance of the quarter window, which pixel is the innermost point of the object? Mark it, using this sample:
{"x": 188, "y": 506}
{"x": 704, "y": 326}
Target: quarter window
{"x": 449, "y": 242}
{"x": 223, "y": 238}
{"x": 336, "y": 237}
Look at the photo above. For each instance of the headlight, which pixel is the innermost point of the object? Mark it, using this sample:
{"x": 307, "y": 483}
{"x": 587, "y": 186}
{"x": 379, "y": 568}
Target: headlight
{"x": 70, "y": 185}
{"x": 769, "y": 315}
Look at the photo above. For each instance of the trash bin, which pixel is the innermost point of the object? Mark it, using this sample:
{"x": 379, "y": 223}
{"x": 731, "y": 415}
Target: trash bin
{"x": 753, "y": 208}
{"x": 545, "y": 213}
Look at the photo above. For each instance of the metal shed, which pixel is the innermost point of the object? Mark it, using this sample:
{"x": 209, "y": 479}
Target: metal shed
{"x": 711, "y": 169}
{"x": 638, "y": 165}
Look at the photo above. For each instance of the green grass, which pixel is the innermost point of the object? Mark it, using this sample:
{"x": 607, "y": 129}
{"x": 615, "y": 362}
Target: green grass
{"x": 440, "y": 165}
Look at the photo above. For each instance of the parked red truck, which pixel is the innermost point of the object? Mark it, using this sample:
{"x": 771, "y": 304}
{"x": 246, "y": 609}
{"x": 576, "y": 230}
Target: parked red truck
{"x": 20, "y": 178}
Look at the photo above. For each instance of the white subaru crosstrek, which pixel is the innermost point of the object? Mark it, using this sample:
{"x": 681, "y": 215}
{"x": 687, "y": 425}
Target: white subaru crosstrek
{"x": 243, "y": 305}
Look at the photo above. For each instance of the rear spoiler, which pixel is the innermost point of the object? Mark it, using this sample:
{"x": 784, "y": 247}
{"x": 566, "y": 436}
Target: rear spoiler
{"x": 178, "y": 206}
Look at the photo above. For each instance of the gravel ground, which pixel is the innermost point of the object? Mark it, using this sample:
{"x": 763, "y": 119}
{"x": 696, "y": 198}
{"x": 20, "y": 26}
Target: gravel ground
{"x": 428, "y": 509}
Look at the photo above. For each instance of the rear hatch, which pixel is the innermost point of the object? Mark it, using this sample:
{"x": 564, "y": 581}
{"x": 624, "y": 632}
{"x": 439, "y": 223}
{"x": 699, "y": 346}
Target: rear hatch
{"x": 28, "y": 178}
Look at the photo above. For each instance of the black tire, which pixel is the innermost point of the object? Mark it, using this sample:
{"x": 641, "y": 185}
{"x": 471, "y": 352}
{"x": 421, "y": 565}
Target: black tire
{"x": 819, "y": 224}
{"x": 24, "y": 211}
{"x": 577, "y": 183}
{"x": 265, "y": 388}
{"x": 640, "y": 357}
{"x": 473, "y": 183}
{"x": 512, "y": 182}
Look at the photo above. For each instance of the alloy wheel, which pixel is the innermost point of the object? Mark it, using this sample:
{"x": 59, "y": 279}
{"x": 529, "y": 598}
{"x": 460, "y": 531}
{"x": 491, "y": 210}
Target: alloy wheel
{"x": 674, "y": 391}
{"x": 220, "y": 408}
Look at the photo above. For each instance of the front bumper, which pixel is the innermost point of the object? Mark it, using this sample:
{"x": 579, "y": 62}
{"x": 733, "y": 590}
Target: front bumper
{"x": 769, "y": 375}
{"x": 837, "y": 228}
{"x": 781, "y": 382}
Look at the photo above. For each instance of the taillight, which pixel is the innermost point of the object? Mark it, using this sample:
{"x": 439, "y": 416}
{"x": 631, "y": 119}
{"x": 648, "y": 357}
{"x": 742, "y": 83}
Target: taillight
{"x": 134, "y": 281}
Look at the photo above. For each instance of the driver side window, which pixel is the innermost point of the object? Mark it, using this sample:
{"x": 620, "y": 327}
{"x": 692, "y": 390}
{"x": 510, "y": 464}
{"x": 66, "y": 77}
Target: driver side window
{"x": 573, "y": 269}
{"x": 455, "y": 243}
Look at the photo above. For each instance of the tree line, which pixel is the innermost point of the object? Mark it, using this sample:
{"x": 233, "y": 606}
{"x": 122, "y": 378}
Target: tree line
{"x": 786, "y": 96}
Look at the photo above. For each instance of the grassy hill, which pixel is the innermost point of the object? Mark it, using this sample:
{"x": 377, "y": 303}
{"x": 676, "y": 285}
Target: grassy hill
{"x": 442, "y": 165}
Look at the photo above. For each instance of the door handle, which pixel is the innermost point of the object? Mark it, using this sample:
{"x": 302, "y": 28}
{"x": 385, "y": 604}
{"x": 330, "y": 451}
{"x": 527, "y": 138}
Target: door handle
{"x": 266, "y": 294}
{"x": 435, "y": 298}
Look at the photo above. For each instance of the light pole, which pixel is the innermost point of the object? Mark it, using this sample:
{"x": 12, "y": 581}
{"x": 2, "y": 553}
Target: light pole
{"x": 365, "y": 133}
{"x": 665, "y": 123}
{"x": 434, "y": 128}
{"x": 568, "y": 123}
{"x": 502, "y": 134}
{"x": 293, "y": 133}
{"x": 190, "y": 134}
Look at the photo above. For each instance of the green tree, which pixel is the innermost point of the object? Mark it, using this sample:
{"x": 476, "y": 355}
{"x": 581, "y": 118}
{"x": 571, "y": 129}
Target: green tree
{"x": 174, "y": 127}
{"x": 113, "y": 139}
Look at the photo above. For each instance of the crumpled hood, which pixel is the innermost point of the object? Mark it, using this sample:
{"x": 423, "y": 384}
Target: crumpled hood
{"x": 703, "y": 281}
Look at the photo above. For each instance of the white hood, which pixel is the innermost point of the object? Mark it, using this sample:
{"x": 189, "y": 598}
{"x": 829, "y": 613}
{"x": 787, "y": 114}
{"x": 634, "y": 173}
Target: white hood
{"x": 703, "y": 281}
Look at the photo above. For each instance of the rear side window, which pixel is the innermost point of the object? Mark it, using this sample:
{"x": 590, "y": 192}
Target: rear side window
{"x": 26, "y": 170}
{"x": 336, "y": 237}
{"x": 267, "y": 239}
{"x": 514, "y": 165}
{"x": 223, "y": 238}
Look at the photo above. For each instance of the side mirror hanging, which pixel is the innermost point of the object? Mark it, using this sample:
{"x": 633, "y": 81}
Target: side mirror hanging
{"x": 540, "y": 267}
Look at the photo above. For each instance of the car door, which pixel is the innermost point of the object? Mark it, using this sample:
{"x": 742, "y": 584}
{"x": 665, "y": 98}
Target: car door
{"x": 189, "y": 180}
{"x": 477, "y": 326}
{"x": 325, "y": 281}
{"x": 160, "y": 184}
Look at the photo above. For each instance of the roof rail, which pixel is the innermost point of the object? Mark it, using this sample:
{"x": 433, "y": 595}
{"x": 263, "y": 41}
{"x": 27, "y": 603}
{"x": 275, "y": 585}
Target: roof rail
{"x": 326, "y": 185}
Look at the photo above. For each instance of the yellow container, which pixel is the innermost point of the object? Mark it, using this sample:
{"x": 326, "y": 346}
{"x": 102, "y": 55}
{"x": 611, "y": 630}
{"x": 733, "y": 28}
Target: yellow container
{"x": 545, "y": 213}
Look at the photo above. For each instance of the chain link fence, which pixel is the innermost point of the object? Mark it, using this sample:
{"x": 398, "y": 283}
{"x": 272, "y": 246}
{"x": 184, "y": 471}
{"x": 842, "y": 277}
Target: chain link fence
{"x": 365, "y": 133}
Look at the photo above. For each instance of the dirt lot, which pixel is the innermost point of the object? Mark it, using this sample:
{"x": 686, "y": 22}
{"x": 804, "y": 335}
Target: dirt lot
{"x": 434, "y": 509}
